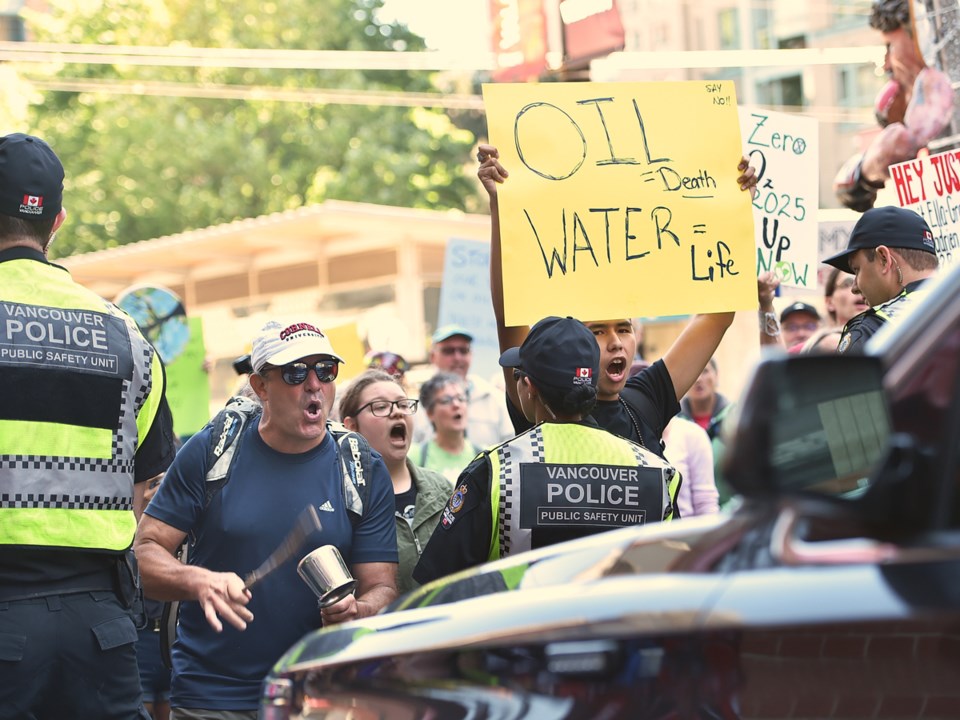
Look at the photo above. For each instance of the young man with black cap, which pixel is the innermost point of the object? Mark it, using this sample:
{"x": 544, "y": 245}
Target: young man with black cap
{"x": 563, "y": 478}
{"x": 891, "y": 253}
{"x": 83, "y": 426}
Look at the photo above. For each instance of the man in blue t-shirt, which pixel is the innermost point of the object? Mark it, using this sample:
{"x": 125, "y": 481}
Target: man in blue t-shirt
{"x": 285, "y": 462}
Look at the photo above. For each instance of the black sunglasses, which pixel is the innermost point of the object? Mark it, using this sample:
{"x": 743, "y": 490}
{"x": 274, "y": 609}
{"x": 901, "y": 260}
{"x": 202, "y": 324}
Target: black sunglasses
{"x": 295, "y": 373}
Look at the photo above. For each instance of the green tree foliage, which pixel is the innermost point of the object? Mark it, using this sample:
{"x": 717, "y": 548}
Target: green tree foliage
{"x": 143, "y": 166}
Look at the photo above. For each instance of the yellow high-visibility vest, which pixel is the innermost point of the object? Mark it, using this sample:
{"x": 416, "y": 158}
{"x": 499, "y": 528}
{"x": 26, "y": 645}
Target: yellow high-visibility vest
{"x": 80, "y": 388}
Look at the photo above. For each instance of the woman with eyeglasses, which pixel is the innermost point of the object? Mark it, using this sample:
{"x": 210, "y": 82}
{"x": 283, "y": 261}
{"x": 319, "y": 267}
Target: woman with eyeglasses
{"x": 376, "y": 406}
{"x": 444, "y": 397}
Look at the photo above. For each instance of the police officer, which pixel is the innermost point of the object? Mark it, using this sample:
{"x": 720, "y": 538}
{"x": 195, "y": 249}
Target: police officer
{"x": 563, "y": 478}
{"x": 83, "y": 423}
{"x": 891, "y": 253}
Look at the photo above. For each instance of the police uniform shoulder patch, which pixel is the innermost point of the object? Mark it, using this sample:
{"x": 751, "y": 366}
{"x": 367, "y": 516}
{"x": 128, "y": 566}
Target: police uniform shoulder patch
{"x": 454, "y": 506}
{"x": 844, "y": 344}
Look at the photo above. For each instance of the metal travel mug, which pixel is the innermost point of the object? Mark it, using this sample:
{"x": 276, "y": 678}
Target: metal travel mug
{"x": 325, "y": 572}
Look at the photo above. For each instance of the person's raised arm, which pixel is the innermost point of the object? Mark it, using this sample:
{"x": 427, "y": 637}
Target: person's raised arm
{"x": 492, "y": 174}
{"x": 767, "y": 284}
{"x": 689, "y": 354}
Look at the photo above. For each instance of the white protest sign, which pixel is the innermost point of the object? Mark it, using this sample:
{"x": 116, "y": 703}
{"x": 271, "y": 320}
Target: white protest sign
{"x": 930, "y": 186}
{"x": 465, "y": 301}
{"x": 783, "y": 149}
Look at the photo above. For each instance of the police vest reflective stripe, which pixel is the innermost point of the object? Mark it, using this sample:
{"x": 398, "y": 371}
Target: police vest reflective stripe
{"x": 893, "y": 308}
{"x": 81, "y": 388}
{"x": 569, "y": 475}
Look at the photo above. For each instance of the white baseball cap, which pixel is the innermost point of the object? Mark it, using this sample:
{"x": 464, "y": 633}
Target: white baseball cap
{"x": 279, "y": 344}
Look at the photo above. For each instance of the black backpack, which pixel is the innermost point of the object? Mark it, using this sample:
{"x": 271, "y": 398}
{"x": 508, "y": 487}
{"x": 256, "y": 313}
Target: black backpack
{"x": 226, "y": 430}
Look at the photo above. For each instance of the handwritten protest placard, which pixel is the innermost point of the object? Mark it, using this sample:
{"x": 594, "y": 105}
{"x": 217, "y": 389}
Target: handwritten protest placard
{"x": 622, "y": 199}
{"x": 465, "y": 300}
{"x": 930, "y": 186}
{"x": 783, "y": 149}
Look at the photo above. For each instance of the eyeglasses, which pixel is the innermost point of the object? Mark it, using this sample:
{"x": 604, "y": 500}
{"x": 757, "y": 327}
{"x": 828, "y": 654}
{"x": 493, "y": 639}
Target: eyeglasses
{"x": 517, "y": 374}
{"x": 450, "y": 399}
{"x": 796, "y": 327}
{"x": 295, "y": 373}
{"x": 384, "y": 408}
{"x": 845, "y": 284}
{"x": 454, "y": 349}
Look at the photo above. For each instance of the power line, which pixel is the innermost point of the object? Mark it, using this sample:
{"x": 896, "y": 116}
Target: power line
{"x": 179, "y": 56}
{"x": 370, "y": 98}
{"x": 320, "y": 96}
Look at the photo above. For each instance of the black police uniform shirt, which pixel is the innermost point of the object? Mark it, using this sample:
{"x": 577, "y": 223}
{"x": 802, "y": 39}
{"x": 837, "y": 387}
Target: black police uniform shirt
{"x": 864, "y": 326}
{"x": 471, "y": 545}
{"x": 647, "y": 403}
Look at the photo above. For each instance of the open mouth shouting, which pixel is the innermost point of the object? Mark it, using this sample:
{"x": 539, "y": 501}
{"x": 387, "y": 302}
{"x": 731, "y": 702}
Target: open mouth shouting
{"x": 399, "y": 435}
{"x": 616, "y": 370}
{"x": 314, "y": 411}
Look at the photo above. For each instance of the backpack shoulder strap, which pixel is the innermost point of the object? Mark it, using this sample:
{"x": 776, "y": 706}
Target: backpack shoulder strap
{"x": 226, "y": 432}
{"x": 356, "y": 468}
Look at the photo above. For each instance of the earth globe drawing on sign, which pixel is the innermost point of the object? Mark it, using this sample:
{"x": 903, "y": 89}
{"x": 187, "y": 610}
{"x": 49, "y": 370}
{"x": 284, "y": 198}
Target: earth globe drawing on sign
{"x": 161, "y": 317}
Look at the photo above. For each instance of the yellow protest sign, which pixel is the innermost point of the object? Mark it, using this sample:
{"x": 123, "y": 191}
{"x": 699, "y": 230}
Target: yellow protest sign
{"x": 622, "y": 199}
{"x": 345, "y": 339}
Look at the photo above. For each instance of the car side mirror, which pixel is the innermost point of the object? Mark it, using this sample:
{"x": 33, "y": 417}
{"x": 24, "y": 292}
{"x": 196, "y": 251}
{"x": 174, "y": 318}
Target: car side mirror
{"x": 808, "y": 425}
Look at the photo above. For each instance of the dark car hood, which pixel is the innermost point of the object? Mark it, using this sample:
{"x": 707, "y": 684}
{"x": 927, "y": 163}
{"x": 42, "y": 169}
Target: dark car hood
{"x": 617, "y": 606}
{"x": 446, "y": 605}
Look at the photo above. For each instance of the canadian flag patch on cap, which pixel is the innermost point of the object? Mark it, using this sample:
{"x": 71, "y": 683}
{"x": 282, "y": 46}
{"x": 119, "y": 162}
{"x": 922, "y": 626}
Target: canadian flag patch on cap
{"x": 583, "y": 376}
{"x": 32, "y": 205}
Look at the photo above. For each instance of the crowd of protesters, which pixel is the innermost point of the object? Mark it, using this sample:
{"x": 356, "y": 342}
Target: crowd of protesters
{"x": 103, "y": 507}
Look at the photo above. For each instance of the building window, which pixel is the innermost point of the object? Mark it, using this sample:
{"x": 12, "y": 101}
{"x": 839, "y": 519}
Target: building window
{"x": 11, "y": 28}
{"x": 785, "y": 92}
{"x": 762, "y": 23}
{"x": 792, "y": 43}
{"x": 357, "y": 299}
{"x": 847, "y": 9}
{"x": 856, "y": 86}
{"x": 729, "y": 24}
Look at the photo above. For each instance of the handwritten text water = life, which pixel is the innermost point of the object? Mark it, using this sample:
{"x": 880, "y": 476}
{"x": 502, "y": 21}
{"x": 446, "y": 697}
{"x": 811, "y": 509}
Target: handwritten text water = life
{"x": 571, "y": 241}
